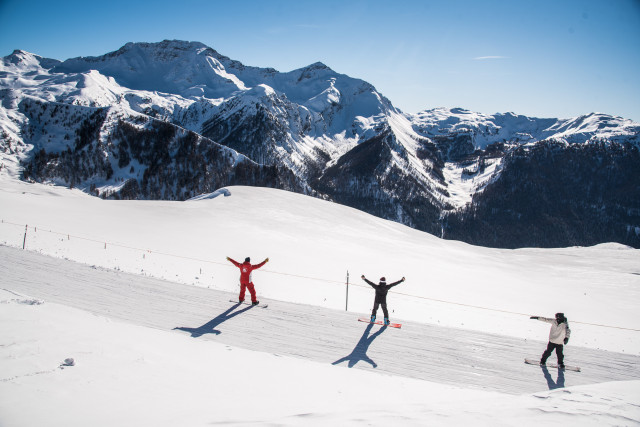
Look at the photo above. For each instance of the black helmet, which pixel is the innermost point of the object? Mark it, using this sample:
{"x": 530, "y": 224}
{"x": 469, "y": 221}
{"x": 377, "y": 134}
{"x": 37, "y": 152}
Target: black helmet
{"x": 247, "y": 259}
{"x": 560, "y": 317}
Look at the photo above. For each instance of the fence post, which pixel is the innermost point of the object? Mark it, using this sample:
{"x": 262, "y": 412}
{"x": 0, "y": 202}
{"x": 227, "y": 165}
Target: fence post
{"x": 24, "y": 241}
{"x": 346, "y": 305}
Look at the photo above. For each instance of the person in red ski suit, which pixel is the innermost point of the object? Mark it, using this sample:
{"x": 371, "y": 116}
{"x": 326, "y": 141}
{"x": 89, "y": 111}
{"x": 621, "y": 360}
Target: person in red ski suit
{"x": 245, "y": 277}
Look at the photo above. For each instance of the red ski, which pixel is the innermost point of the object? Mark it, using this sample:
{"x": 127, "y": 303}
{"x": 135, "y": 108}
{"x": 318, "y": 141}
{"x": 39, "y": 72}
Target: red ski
{"x": 380, "y": 322}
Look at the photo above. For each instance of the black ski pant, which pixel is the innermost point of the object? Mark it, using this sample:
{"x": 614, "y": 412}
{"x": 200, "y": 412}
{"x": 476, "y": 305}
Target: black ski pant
{"x": 550, "y": 347}
{"x": 380, "y": 302}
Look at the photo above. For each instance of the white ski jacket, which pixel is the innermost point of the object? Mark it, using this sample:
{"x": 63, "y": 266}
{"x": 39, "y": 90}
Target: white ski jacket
{"x": 558, "y": 332}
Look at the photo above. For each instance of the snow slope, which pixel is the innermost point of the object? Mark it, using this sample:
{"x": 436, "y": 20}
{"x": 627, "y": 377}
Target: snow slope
{"x": 468, "y": 359}
{"x": 472, "y": 302}
{"x": 312, "y": 245}
{"x": 285, "y": 365}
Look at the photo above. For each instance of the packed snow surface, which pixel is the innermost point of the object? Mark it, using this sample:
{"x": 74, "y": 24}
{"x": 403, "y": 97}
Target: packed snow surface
{"x": 137, "y": 293}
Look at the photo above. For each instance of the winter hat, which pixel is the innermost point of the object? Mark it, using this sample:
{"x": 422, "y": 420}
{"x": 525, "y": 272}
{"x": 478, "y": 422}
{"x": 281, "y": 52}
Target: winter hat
{"x": 247, "y": 259}
{"x": 560, "y": 317}
{"x": 382, "y": 279}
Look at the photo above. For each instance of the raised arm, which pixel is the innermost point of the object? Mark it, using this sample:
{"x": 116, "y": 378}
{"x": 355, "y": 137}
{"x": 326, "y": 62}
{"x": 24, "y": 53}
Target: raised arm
{"x": 234, "y": 262}
{"x": 370, "y": 283}
{"x": 396, "y": 283}
{"x": 261, "y": 264}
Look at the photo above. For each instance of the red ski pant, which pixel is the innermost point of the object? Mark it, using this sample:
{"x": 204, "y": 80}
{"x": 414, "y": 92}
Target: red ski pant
{"x": 252, "y": 291}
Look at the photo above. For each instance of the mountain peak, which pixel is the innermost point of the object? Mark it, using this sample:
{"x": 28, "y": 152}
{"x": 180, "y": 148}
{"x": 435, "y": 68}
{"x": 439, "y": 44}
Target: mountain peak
{"x": 22, "y": 58}
{"x": 313, "y": 70}
{"x": 166, "y": 49}
{"x": 19, "y": 55}
{"x": 318, "y": 66}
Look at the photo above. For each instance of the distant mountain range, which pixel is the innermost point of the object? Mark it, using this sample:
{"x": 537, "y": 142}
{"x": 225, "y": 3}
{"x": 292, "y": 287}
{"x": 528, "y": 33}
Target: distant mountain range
{"x": 175, "y": 119}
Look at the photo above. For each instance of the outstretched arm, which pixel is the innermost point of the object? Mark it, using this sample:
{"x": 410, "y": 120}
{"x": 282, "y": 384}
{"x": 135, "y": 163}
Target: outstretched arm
{"x": 261, "y": 264}
{"x": 542, "y": 319}
{"x": 234, "y": 262}
{"x": 396, "y": 283}
{"x": 365, "y": 279}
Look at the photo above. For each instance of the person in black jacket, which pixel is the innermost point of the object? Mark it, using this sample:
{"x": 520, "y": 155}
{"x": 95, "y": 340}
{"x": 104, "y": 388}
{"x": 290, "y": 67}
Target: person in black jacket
{"x": 381, "y": 297}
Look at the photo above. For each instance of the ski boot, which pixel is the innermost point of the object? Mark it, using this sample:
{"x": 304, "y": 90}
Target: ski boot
{"x": 255, "y": 302}
{"x": 373, "y": 318}
{"x": 386, "y": 320}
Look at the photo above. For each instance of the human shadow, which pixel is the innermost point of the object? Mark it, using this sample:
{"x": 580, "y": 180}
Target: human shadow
{"x": 558, "y": 383}
{"x": 359, "y": 353}
{"x": 209, "y": 327}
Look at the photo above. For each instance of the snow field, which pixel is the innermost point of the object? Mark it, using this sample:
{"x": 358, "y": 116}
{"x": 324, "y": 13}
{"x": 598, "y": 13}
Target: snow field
{"x": 132, "y": 375}
{"x": 132, "y": 368}
{"x": 448, "y": 283}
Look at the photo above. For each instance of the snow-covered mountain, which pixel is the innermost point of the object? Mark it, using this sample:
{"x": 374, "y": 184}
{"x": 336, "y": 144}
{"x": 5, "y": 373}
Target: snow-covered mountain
{"x": 174, "y": 119}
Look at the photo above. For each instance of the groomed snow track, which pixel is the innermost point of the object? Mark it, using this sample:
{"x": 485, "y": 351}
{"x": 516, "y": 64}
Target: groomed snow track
{"x": 439, "y": 354}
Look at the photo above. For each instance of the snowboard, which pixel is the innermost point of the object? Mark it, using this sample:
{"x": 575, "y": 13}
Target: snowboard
{"x": 380, "y": 322}
{"x": 249, "y": 303}
{"x": 551, "y": 365}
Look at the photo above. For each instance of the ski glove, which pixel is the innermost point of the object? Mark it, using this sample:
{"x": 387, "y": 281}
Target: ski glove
{"x": 534, "y": 317}
{"x": 566, "y": 340}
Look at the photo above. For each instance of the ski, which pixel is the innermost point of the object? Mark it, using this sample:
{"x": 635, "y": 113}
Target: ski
{"x": 551, "y": 365}
{"x": 249, "y": 303}
{"x": 380, "y": 322}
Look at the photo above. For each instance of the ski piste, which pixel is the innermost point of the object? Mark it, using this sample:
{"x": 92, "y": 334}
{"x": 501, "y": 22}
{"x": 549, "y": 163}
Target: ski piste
{"x": 380, "y": 322}
{"x": 249, "y": 303}
{"x": 551, "y": 365}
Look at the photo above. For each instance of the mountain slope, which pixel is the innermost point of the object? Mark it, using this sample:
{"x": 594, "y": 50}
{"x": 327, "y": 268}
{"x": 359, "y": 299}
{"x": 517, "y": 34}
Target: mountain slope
{"x": 310, "y": 130}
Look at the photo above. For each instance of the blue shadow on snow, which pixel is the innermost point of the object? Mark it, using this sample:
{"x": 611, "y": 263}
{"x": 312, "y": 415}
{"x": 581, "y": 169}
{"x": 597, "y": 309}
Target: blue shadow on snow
{"x": 209, "y": 327}
{"x": 359, "y": 353}
{"x": 558, "y": 383}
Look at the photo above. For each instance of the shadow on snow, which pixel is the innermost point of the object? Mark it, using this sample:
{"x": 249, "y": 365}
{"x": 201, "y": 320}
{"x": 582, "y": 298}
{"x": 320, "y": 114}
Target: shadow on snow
{"x": 359, "y": 353}
{"x": 209, "y": 327}
{"x": 558, "y": 383}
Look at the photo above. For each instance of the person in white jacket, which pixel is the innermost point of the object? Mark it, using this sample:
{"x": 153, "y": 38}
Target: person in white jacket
{"x": 558, "y": 336}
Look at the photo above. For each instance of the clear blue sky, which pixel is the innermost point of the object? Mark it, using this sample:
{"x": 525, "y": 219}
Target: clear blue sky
{"x": 544, "y": 58}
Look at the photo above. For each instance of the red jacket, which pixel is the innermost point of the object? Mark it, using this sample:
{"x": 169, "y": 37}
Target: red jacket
{"x": 245, "y": 270}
